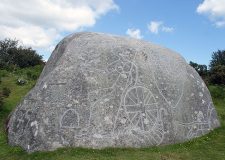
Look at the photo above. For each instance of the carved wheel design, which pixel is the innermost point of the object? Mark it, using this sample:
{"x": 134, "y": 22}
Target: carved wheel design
{"x": 141, "y": 108}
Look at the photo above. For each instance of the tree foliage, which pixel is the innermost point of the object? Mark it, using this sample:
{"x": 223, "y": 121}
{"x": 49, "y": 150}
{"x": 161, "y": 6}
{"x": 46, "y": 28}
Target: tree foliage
{"x": 217, "y": 68}
{"x": 201, "y": 69}
{"x": 14, "y": 55}
{"x": 217, "y": 75}
{"x": 218, "y": 58}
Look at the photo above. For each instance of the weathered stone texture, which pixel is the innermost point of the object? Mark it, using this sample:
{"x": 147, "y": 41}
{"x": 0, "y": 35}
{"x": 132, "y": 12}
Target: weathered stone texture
{"x": 99, "y": 90}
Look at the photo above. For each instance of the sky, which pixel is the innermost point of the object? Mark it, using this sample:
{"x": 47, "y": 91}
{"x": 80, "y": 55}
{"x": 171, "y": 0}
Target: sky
{"x": 193, "y": 28}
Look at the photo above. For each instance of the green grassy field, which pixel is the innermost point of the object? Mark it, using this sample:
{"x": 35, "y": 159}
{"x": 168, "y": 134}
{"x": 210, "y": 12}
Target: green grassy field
{"x": 210, "y": 146}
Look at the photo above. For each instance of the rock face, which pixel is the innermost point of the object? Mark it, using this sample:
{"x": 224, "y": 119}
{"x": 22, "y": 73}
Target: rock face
{"x": 99, "y": 90}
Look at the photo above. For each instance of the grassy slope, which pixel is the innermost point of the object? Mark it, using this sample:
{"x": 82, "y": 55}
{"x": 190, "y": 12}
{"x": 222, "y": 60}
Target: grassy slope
{"x": 210, "y": 146}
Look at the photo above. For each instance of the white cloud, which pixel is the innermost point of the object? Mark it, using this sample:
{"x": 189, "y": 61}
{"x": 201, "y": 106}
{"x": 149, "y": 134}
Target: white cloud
{"x": 38, "y": 23}
{"x": 167, "y": 29}
{"x": 157, "y": 26}
{"x": 33, "y": 36}
{"x": 134, "y": 33}
{"x": 154, "y": 26}
{"x": 215, "y": 10}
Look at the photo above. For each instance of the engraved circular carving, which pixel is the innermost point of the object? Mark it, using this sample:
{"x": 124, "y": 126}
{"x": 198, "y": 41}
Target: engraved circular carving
{"x": 141, "y": 107}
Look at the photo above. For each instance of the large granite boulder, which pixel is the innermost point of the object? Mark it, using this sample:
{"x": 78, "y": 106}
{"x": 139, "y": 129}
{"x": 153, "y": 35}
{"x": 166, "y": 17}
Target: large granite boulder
{"x": 99, "y": 90}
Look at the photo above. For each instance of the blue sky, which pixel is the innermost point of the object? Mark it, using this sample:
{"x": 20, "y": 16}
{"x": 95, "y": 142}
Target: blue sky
{"x": 194, "y": 28}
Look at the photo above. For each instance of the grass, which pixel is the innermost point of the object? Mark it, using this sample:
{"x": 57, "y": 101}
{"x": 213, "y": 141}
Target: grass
{"x": 210, "y": 146}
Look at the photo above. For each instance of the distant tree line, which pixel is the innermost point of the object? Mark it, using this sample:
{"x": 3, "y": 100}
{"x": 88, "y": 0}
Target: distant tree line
{"x": 215, "y": 74}
{"x": 14, "y": 55}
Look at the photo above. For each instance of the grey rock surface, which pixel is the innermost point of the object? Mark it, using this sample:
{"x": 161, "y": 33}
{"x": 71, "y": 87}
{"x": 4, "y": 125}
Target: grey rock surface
{"x": 100, "y": 90}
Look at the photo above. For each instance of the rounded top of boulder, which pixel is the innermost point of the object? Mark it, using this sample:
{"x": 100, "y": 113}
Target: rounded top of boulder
{"x": 99, "y": 90}
{"x": 87, "y": 40}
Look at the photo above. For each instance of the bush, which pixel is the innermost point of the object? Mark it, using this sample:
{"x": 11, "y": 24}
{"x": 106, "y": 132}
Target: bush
{"x": 31, "y": 75}
{"x": 217, "y": 75}
{"x": 5, "y": 92}
{"x": 3, "y": 73}
{"x": 217, "y": 91}
{"x": 1, "y": 101}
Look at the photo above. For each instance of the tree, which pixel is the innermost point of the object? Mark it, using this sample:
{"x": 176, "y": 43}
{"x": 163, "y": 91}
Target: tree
{"x": 201, "y": 69}
{"x": 217, "y": 75}
{"x": 11, "y": 54}
{"x": 218, "y": 58}
{"x": 5, "y": 46}
{"x": 217, "y": 68}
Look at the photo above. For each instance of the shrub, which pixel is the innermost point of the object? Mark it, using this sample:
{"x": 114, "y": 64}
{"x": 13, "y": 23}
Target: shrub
{"x": 3, "y": 73}
{"x": 31, "y": 75}
{"x": 217, "y": 75}
{"x": 1, "y": 101}
{"x": 217, "y": 91}
{"x": 6, "y": 91}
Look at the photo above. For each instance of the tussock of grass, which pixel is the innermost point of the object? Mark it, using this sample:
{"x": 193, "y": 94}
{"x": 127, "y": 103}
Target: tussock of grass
{"x": 210, "y": 146}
